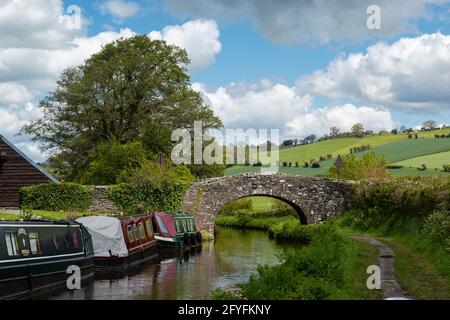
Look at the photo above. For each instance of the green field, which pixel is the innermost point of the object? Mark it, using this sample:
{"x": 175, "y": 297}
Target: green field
{"x": 412, "y": 148}
{"x": 434, "y": 161}
{"x": 395, "y": 148}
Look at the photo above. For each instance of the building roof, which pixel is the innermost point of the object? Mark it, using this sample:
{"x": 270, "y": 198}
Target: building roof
{"x": 38, "y": 167}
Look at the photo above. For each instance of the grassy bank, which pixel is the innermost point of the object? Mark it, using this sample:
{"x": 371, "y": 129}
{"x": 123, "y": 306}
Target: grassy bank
{"x": 422, "y": 265}
{"x": 327, "y": 265}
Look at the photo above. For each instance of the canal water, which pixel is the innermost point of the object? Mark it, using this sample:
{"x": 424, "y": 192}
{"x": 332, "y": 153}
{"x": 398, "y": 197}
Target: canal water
{"x": 229, "y": 260}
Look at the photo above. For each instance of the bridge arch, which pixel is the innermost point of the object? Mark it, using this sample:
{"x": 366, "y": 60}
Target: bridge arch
{"x": 304, "y": 218}
{"x": 314, "y": 199}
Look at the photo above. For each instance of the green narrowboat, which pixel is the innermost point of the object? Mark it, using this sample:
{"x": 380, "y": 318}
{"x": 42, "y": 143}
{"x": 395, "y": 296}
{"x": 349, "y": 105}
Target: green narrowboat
{"x": 176, "y": 231}
{"x": 36, "y": 256}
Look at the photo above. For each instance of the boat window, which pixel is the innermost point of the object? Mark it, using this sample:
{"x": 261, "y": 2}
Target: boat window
{"x": 136, "y": 234}
{"x": 148, "y": 226}
{"x": 178, "y": 226}
{"x": 66, "y": 241}
{"x": 130, "y": 233}
{"x": 141, "y": 230}
{"x": 161, "y": 225}
{"x": 75, "y": 239}
{"x": 12, "y": 244}
{"x": 35, "y": 245}
{"x": 56, "y": 241}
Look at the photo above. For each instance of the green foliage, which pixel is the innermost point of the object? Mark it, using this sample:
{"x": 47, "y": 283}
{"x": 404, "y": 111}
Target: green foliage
{"x": 148, "y": 172}
{"x": 109, "y": 159}
{"x": 243, "y": 220}
{"x": 403, "y": 196}
{"x": 55, "y": 197}
{"x": 446, "y": 167}
{"x": 203, "y": 171}
{"x": 134, "y": 89}
{"x": 291, "y": 231}
{"x": 370, "y": 166}
{"x": 138, "y": 198}
{"x": 437, "y": 228}
{"x": 220, "y": 294}
{"x": 258, "y": 207}
{"x": 241, "y": 204}
{"x": 314, "y": 272}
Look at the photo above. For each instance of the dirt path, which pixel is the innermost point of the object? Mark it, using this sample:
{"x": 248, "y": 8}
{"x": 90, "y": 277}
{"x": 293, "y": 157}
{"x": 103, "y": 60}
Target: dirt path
{"x": 386, "y": 256}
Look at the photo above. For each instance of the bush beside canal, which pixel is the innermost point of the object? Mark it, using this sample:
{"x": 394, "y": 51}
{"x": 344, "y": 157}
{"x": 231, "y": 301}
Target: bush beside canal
{"x": 331, "y": 266}
{"x": 55, "y": 197}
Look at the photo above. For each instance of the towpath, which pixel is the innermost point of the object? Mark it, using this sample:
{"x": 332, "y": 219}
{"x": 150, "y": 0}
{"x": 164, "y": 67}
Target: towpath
{"x": 389, "y": 284}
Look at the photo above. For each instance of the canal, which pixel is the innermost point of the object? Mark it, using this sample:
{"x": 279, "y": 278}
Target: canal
{"x": 229, "y": 260}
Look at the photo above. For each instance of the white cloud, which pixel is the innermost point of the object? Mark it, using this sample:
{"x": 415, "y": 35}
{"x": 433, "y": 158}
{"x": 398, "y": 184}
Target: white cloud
{"x": 37, "y": 24}
{"x": 411, "y": 73}
{"x": 320, "y": 120}
{"x": 200, "y": 38}
{"x": 276, "y": 106}
{"x": 120, "y": 10}
{"x": 294, "y": 21}
{"x": 39, "y": 68}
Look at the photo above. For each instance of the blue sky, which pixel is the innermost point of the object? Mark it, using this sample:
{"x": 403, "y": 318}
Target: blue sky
{"x": 299, "y": 66}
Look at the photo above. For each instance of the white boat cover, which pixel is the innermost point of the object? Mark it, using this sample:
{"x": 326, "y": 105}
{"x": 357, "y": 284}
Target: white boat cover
{"x": 107, "y": 235}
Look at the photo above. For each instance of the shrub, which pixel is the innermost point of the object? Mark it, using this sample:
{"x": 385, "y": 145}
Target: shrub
{"x": 291, "y": 231}
{"x": 285, "y": 164}
{"x": 370, "y": 166}
{"x": 446, "y": 167}
{"x": 393, "y": 166}
{"x": 305, "y": 164}
{"x": 108, "y": 160}
{"x": 137, "y": 198}
{"x": 55, "y": 197}
{"x": 422, "y": 167}
{"x": 290, "y": 164}
{"x": 296, "y": 164}
{"x": 312, "y": 272}
{"x": 437, "y": 227}
{"x": 403, "y": 196}
{"x": 315, "y": 164}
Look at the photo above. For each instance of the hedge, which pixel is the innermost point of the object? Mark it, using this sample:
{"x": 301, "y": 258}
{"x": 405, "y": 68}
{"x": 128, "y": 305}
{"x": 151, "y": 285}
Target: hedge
{"x": 133, "y": 198}
{"x": 418, "y": 196}
{"x": 55, "y": 197}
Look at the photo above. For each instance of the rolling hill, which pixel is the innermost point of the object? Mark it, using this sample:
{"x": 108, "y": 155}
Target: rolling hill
{"x": 395, "y": 148}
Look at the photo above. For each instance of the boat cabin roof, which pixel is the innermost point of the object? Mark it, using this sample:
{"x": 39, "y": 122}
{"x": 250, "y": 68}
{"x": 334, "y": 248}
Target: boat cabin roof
{"x": 40, "y": 222}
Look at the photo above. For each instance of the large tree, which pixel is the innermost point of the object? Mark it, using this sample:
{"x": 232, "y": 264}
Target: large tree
{"x": 429, "y": 125}
{"x": 134, "y": 89}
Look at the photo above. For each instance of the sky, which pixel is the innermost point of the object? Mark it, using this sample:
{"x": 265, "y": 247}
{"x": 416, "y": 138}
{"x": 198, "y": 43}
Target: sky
{"x": 297, "y": 66}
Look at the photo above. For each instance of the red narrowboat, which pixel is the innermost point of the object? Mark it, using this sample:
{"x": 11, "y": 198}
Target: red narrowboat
{"x": 121, "y": 243}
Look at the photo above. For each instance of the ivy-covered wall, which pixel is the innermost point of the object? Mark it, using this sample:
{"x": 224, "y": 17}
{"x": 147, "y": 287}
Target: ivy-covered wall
{"x": 55, "y": 197}
{"x": 126, "y": 198}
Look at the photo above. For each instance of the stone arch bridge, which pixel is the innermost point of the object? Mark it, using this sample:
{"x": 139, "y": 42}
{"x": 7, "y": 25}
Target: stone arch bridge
{"x": 314, "y": 199}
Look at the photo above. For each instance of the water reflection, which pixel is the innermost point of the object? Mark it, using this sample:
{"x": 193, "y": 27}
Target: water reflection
{"x": 230, "y": 260}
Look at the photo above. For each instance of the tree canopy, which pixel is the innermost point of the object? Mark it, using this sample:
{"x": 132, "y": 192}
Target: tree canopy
{"x": 134, "y": 89}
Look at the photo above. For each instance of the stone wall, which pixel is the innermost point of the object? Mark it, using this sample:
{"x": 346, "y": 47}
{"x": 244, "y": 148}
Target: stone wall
{"x": 101, "y": 203}
{"x": 314, "y": 199}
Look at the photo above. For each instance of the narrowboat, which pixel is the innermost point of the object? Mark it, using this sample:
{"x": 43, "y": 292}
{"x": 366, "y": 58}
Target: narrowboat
{"x": 35, "y": 256}
{"x": 176, "y": 231}
{"x": 121, "y": 243}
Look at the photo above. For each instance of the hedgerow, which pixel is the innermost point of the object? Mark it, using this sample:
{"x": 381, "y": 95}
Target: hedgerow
{"x": 55, "y": 197}
{"x": 136, "y": 198}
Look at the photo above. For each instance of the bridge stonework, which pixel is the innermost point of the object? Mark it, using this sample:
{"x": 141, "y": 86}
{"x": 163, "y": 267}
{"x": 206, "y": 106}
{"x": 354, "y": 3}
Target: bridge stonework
{"x": 314, "y": 199}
